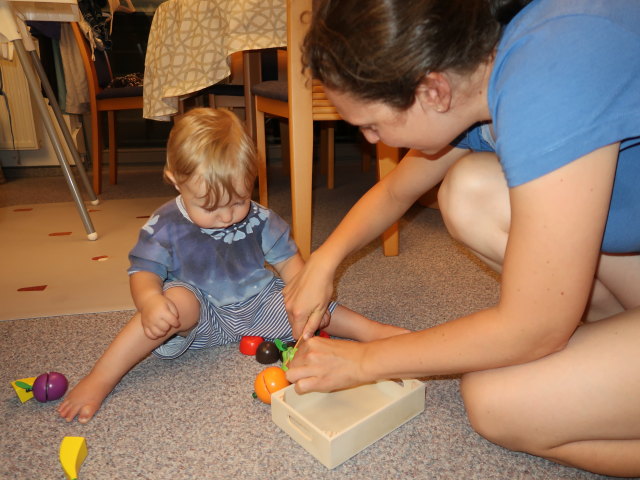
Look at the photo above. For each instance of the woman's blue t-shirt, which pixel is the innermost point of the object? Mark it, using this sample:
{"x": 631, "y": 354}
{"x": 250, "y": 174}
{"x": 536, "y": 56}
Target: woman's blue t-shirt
{"x": 565, "y": 82}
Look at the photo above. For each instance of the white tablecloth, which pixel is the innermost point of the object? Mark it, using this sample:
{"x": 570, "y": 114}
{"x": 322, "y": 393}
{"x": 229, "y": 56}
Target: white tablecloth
{"x": 190, "y": 42}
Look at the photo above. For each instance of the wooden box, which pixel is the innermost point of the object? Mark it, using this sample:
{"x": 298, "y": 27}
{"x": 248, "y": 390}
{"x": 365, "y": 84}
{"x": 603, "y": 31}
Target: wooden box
{"x": 335, "y": 426}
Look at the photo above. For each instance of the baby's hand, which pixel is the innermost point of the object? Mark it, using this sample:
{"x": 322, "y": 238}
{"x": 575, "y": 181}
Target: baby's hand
{"x": 325, "y": 321}
{"x": 158, "y": 316}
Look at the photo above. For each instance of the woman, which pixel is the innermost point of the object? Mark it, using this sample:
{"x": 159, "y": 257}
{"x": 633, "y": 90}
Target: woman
{"x": 549, "y": 103}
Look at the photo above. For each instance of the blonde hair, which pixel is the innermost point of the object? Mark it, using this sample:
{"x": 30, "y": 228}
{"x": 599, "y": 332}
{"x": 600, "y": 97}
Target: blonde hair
{"x": 213, "y": 145}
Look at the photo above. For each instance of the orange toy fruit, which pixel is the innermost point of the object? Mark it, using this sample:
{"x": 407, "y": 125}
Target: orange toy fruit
{"x": 270, "y": 380}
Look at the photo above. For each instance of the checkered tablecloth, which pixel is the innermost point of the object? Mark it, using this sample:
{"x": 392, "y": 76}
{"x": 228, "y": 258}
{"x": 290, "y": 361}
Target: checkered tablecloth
{"x": 190, "y": 42}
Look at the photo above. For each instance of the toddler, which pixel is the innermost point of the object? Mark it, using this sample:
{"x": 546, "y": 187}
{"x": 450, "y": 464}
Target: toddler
{"x": 199, "y": 275}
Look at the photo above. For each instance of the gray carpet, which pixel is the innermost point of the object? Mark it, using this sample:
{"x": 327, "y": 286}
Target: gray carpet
{"x": 194, "y": 417}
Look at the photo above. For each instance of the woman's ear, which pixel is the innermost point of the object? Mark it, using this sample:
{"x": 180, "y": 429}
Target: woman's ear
{"x": 434, "y": 92}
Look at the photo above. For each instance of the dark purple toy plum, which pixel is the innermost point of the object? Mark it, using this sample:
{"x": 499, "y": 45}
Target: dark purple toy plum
{"x": 49, "y": 386}
{"x": 267, "y": 352}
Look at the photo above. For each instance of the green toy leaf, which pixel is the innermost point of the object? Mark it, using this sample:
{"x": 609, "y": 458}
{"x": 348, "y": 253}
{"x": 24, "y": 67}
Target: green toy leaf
{"x": 280, "y": 344}
{"x": 287, "y": 356}
{"x": 24, "y": 385}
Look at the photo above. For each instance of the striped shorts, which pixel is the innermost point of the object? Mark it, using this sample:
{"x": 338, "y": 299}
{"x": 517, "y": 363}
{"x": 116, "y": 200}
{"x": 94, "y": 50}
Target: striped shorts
{"x": 262, "y": 315}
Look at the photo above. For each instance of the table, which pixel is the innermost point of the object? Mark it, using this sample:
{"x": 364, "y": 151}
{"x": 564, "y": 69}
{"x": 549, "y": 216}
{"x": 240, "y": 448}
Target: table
{"x": 190, "y": 42}
{"x": 188, "y": 49}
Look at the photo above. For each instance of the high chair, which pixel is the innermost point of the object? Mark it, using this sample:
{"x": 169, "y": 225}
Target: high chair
{"x": 15, "y": 35}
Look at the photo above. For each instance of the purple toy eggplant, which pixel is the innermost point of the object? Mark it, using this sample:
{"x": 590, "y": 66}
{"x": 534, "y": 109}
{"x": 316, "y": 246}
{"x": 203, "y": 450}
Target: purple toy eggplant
{"x": 50, "y": 386}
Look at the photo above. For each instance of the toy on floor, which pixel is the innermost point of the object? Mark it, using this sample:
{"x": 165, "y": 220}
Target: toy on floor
{"x": 268, "y": 352}
{"x": 45, "y": 388}
{"x": 249, "y": 344}
{"x": 268, "y": 381}
{"x": 73, "y": 451}
{"x": 23, "y": 388}
{"x": 287, "y": 351}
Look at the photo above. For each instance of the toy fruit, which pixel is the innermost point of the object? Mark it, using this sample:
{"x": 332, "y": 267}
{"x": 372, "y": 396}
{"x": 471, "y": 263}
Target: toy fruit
{"x": 24, "y": 388}
{"x": 73, "y": 451}
{"x": 249, "y": 344}
{"x": 267, "y": 352}
{"x": 269, "y": 380}
{"x": 284, "y": 347}
{"x": 49, "y": 386}
{"x": 323, "y": 334}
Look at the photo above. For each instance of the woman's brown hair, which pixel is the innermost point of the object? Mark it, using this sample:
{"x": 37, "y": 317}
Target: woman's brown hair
{"x": 382, "y": 49}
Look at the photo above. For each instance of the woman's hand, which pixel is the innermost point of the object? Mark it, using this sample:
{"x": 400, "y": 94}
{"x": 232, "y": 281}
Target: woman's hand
{"x": 307, "y": 296}
{"x": 324, "y": 365}
{"x": 158, "y": 316}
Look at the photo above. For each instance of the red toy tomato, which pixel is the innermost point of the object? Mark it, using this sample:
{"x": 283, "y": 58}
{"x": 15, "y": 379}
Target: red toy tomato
{"x": 268, "y": 381}
{"x": 323, "y": 334}
{"x": 249, "y": 344}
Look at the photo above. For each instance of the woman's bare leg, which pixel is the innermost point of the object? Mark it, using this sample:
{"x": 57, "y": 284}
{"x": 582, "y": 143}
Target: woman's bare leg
{"x": 129, "y": 347}
{"x": 578, "y": 407}
{"x": 474, "y": 200}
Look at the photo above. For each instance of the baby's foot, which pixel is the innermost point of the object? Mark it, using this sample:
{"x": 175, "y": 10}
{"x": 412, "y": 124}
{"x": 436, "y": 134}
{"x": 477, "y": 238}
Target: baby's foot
{"x": 84, "y": 399}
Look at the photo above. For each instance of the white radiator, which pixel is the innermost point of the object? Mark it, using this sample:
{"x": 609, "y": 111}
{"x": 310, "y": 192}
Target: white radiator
{"x": 20, "y": 133}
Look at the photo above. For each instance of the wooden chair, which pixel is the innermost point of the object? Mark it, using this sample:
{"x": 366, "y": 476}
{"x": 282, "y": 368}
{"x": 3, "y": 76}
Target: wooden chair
{"x": 303, "y": 102}
{"x": 104, "y": 99}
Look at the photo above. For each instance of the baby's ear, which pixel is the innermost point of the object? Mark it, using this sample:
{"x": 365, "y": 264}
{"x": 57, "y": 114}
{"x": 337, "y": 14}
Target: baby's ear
{"x": 169, "y": 176}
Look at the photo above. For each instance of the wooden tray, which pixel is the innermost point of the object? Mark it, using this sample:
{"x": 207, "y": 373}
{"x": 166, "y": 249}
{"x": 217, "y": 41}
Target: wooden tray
{"x": 335, "y": 426}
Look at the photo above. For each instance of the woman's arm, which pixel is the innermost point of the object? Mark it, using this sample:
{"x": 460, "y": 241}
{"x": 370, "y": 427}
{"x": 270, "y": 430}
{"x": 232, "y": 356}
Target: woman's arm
{"x": 550, "y": 261}
{"x": 307, "y": 296}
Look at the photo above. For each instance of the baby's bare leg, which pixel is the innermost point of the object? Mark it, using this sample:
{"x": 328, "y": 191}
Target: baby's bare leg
{"x": 346, "y": 323}
{"x": 129, "y": 347}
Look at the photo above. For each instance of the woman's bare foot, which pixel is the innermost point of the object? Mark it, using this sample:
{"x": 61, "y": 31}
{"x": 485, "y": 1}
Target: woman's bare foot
{"x": 85, "y": 399}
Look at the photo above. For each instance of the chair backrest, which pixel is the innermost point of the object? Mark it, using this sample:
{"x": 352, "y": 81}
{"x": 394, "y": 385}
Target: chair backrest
{"x": 98, "y": 72}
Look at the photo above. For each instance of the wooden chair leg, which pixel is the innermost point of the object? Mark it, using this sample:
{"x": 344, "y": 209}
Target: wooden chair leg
{"x": 430, "y": 199}
{"x": 96, "y": 153}
{"x": 113, "y": 148}
{"x": 388, "y": 158}
{"x": 301, "y": 180}
{"x": 323, "y": 154}
{"x": 327, "y": 152}
{"x": 284, "y": 147}
{"x": 366, "y": 148}
{"x": 331, "y": 156}
{"x": 261, "y": 144}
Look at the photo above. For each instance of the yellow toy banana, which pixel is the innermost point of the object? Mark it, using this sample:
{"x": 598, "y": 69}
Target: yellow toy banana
{"x": 73, "y": 451}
